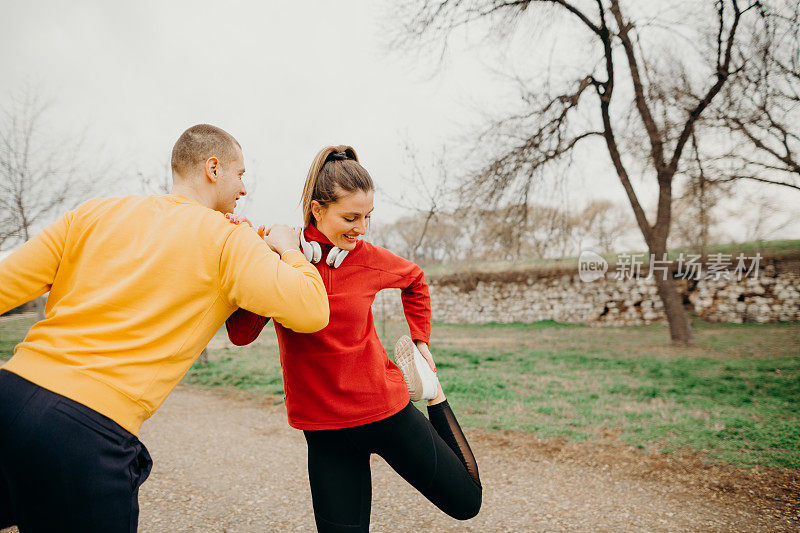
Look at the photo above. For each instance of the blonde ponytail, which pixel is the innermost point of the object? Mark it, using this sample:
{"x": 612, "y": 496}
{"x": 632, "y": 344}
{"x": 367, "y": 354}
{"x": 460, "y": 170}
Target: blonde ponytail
{"x": 328, "y": 178}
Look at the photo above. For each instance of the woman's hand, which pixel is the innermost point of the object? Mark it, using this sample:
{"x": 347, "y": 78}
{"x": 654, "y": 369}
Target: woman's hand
{"x": 241, "y": 219}
{"x": 426, "y": 353}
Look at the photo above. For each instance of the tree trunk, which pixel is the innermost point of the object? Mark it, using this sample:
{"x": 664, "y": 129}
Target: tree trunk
{"x": 703, "y": 216}
{"x": 680, "y": 330}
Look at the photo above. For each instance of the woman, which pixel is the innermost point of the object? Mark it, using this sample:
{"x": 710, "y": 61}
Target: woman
{"x": 341, "y": 389}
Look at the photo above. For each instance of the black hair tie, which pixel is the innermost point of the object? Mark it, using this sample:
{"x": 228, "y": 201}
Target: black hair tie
{"x": 337, "y": 156}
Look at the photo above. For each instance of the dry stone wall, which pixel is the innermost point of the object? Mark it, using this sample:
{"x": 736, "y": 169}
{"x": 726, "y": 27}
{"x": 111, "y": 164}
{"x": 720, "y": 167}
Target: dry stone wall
{"x": 530, "y": 296}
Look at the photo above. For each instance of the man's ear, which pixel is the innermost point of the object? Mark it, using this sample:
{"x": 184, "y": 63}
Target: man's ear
{"x": 212, "y": 168}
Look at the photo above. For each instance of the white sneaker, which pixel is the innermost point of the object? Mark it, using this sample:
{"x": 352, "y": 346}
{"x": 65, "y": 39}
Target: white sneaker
{"x": 421, "y": 381}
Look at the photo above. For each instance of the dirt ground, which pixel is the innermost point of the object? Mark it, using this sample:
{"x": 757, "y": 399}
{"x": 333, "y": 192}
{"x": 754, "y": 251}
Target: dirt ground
{"x": 227, "y": 461}
{"x": 230, "y": 462}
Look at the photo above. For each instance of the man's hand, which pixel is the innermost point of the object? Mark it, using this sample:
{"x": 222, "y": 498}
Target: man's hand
{"x": 241, "y": 219}
{"x": 281, "y": 238}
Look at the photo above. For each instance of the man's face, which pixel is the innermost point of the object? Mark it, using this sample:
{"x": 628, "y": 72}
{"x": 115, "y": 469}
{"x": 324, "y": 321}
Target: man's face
{"x": 230, "y": 186}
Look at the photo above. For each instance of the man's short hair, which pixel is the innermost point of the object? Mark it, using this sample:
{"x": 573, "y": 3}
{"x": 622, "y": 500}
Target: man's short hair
{"x": 197, "y": 144}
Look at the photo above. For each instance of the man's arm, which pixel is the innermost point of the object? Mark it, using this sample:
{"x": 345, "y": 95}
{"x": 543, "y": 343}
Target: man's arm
{"x": 287, "y": 288}
{"x": 29, "y": 272}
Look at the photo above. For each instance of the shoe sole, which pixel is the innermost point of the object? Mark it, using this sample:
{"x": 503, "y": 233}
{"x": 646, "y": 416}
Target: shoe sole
{"x": 404, "y": 358}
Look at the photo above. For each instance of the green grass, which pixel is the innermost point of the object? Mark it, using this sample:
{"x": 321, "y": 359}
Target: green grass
{"x": 12, "y": 330}
{"x": 6, "y": 348}
{"x": 249, "y": 368}
{"x": 542, "y": 324}
{"x": 779, "y": 247}
{"x": 735, "y": 409}
{"x": 734, "y": 396}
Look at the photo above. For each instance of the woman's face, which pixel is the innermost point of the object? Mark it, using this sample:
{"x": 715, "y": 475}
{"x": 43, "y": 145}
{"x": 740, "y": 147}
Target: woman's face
{"x": 345, "y": 220}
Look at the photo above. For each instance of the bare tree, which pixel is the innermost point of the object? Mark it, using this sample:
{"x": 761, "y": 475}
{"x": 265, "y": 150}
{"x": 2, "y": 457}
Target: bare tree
{"x": 40, "y": 174}
{"x": 422, "y": 241}
{"x": 628, "y": 68}
{"x": 760, "y": 109}
{"x": 157, "y": 182}
{"x": 762, "y": 217}
{"x": 425, "y": 195}
{"x": 695, "y": 207}
{"x": 8, "y": 226}
{"x": 464, "y": 235}
{"x": 602, "y": 223}
{"x": 501, "y": 233}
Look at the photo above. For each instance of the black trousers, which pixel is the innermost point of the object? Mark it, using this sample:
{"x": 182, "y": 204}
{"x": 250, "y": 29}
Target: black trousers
{"x": 433, "y": 456}
{"x": 63, "y": 466}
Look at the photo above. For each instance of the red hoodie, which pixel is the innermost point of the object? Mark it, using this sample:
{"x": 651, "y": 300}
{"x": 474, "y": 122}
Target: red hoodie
{"x": 341, "y": 376}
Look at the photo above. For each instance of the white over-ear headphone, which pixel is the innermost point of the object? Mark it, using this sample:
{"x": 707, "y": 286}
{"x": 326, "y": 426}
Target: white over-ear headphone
{"x": 313, "y": 252}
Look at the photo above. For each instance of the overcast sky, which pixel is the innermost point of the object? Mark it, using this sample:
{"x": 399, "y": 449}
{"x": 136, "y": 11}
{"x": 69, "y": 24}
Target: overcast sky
{"x": 285, "y": 78}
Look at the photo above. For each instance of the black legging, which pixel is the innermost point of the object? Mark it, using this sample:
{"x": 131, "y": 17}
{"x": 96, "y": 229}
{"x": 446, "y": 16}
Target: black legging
{"x": 433, "y": 456}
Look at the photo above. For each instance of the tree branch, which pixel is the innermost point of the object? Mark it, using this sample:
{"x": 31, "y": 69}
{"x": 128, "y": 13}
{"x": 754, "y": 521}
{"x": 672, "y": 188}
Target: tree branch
{"x": 653, "y": 133}
{"x": 723, "y": 72}
{"x": 737, "y": 177}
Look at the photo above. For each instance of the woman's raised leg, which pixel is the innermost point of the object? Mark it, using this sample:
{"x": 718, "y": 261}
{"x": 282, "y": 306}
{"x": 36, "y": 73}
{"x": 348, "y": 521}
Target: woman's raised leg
{"x": 417, "y": 451}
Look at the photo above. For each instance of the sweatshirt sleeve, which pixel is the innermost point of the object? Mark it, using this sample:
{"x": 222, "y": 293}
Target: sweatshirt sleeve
{"x": 289, "y": 289}
{"x": 409, "y": 277}
{"x": 244, "y": 326}
{"x": 30, "y": 271}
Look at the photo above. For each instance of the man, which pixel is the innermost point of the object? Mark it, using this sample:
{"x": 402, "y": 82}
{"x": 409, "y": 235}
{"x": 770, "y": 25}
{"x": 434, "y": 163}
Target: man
{"x": 138, "y": 286}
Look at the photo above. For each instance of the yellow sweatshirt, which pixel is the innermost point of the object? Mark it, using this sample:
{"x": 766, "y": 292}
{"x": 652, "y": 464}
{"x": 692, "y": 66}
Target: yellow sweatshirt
{"x": 138, "y": 286}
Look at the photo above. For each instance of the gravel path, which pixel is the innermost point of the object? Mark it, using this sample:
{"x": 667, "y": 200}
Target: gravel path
{"x": 229, "y": 462}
